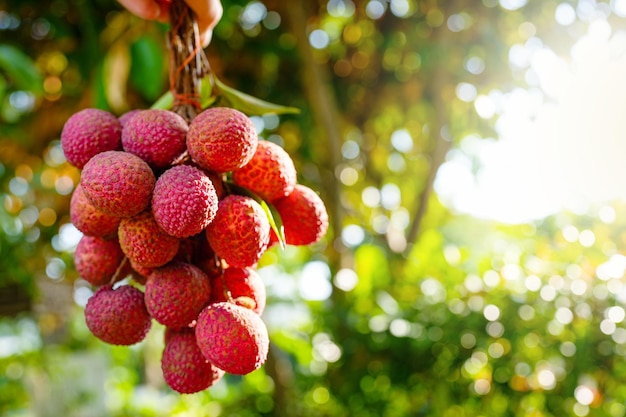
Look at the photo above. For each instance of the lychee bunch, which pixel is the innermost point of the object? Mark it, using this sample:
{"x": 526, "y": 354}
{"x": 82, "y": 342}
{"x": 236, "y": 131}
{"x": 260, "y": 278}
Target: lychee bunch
{"x": 175, "y": 216}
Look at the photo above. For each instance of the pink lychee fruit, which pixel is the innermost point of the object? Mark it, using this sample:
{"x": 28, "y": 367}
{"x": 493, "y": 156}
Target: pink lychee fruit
{"x": 184, "y": 367}
{"x": 118, "y": 316}
{"x": 239, "y": 233}
{"x": 232, "y": 337}
{"x": 175, "y": 294}
{"x": 157, "y": 136}
{"x": 270, "y": 173}
{"x": 304, "y": 216}
{"x": 144, "y": 242}
{"x": 127, "y": 116}
{"x": 88, "y": 219}
{"x": 97, "y": 260}
{"x": 243, "y": 286}
{"x": 221, "y": 139}
{"x": 118, "y": 183}
{"x": 184, "y": 201}
{"x": 89, "y": 132}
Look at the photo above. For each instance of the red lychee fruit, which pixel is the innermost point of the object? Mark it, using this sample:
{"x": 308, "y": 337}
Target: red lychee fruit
{"x": 118, "y": 183}
{"x": 232, "y": 337}
{"x": 157, "y": 136}
{"x": 184, "y": 367}
{"x": 144, "y": 242}
{"x": 244, "y": 286}
{"x": 118, "y": 316}
{"x": 89, "y": 132}
{"x": 221, "y": 139}
{"x": 126, "y": 116}
{"x": 175, "y": 294}
{"x": 97, "y": 260}
{"x": 239, "y": 233}
{"x": 184, "y": 201}
{"x": 88, "y": 219}
{"x": 270, "y": 173}
{"x": 303, "y": 215}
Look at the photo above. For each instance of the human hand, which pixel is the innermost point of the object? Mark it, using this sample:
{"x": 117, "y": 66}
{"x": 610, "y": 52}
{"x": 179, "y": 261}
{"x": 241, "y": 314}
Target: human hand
{"x": 208, "y": 13}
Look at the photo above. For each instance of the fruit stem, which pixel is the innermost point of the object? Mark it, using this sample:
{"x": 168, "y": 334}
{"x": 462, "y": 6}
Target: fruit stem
{"x": 188, "y": 62}
{"x": 116, "y": 276}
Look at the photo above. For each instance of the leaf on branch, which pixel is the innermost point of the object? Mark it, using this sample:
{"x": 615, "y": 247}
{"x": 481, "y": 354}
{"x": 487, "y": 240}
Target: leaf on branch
{"x": 20, "y": 69}
{"x": 248, "y": 104}
{"x": 165, "y": 102}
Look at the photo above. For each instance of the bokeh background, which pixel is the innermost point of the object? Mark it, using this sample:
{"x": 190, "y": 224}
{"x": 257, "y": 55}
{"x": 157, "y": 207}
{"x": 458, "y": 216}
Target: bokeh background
{"x": 470, "y": 154}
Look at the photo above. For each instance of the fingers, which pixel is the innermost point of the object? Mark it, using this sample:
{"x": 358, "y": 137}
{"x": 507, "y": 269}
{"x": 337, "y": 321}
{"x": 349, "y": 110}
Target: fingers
{"x": 208, "y": 14}
{"x": 146, "y": 9}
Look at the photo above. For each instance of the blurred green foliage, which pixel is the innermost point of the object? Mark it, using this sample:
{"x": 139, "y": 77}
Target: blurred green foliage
{"x": 405, "y": 309}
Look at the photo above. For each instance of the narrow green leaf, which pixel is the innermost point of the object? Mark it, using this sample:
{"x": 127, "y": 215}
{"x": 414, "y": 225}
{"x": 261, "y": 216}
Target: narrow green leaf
{"x": 165, "y": 102}
{"x": 277, "y": 224}
{"x": 248, "y": 104}
{"x": 206, "y": 92}
{"x": 20, "y": 69}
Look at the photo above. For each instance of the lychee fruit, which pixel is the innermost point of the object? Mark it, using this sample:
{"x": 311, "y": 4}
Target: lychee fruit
{"x": 270, "y": 173}
{"x": 157, "y": 136}
{"x": 221, "y": 139}
{"x": 88, "y": 219}
{"x": 184, "y": 367}
{"x": 239, "y": 233}
{"x": 118, "y": 183}
{"x": 304, "y": 216}
{"x": 184, "y": 201}
{"x": 118, "y": 316}
{"x": 243, "y": 286}
{"x": 89, "y": 132}
{"x": 127, "y": 116}
{"x": 232, "y": 337}
{"x": 144, "y": 242}
{"x": 175, "y": 294}
{"x": 97, "y": 260}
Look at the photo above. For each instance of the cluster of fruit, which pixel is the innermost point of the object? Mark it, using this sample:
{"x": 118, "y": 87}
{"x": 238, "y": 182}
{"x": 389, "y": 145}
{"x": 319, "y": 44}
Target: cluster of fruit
{"x": 186, "y": 210}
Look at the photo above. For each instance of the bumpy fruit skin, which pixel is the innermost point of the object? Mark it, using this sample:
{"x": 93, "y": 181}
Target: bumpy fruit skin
{"x": 184, "y": 367}
{"x": 221, "y": 139}
{"x": 157, "y": 136}
{"x": 118, "y": 183}
{"x": 88, "y": 219}
{"x": 270, "y": 173}
{"x": 232, "y": 337}
{"x": 145, "y": 243}
{"x": 184, "y": 201}
{"x": 89, "y": 132}
{"x": 245, "y": 286}
{"x": 118, "y": 316}
{"x": 96, "y": 260}
{"x": 127, "y": 116}
{"x": 303, "y": 215}
{"x": 239, "y": 233}
{"x": 176, "y": 293}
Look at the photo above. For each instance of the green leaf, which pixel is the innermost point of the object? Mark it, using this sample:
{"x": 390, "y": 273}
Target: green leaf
{"x": 20, "y": 69}
{"x": 273, "y": 216}
{"x": 206, "y": 92}
{"x": 165, "y": 102}
{"x": 147, "y": 69}
{"x": 248, "y": 104}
